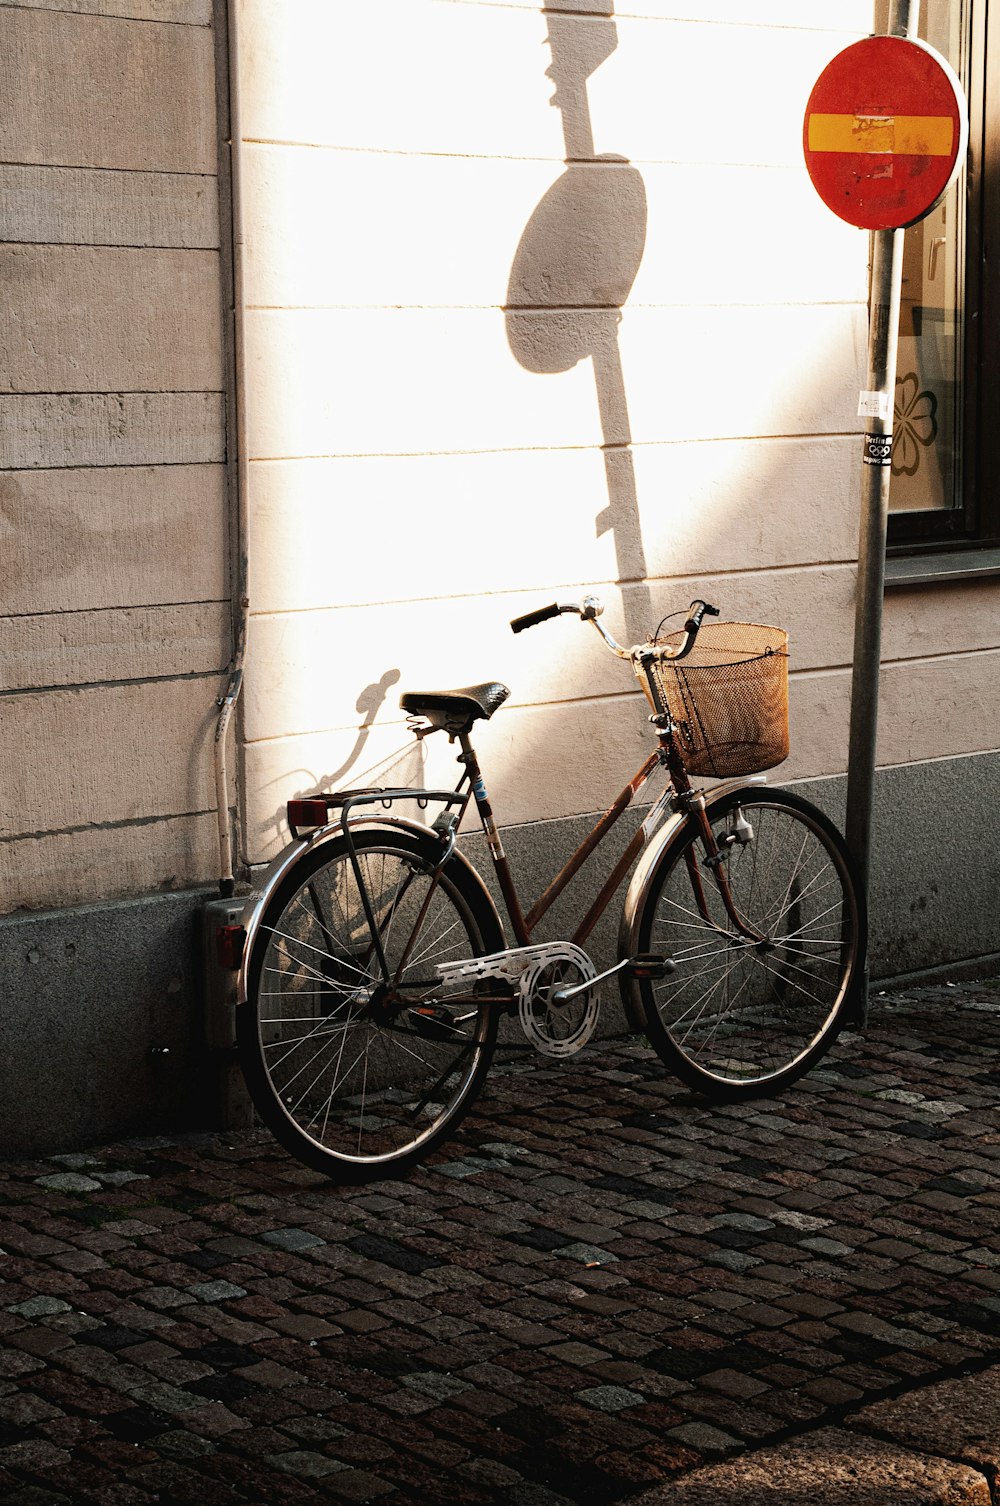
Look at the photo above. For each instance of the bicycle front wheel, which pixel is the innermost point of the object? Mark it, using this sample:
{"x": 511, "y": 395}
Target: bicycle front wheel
{"x": 761, "y": 984}
{"x": 358, "y": 1059}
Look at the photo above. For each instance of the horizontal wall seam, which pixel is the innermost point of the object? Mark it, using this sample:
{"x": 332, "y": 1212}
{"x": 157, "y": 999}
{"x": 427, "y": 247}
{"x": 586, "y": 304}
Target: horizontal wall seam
{"x": 902, "y": 661}
{"x": 141, "y": 606}
{"x": 955, "y": 653}
{"x": 128, "y": 172}
{"x": 810, "y": 567}
{"x": 624, "y": 15}
{"x": 401, "y": 722}
{"x": 74, "y": 686}
{"x": 83, "y": 392}
{"x": 111, "y": 245}
{"x": 58, "y": 10}
{"x": 90, "y": 826}
{"x": 557, "y": 161}
{"x": 107, "y": 465}
{"x": 553, "y": 449}
{"x": 543, "y": 310}
{"x": 540, "y": 310}
{"x": 629, "y": 691}
{"x": 918, "y": 763}
{"x": 597, "y": 446}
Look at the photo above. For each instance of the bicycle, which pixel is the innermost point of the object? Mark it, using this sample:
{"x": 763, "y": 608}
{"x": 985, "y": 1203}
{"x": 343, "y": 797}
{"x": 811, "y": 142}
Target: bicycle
{"x": 375, "y": 968}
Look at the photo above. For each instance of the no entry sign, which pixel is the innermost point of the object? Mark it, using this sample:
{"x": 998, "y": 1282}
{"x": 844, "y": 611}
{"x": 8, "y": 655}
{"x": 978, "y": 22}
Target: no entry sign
{"x": 884, "y": 132}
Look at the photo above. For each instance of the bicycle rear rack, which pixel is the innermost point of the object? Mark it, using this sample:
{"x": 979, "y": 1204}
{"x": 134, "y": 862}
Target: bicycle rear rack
{"x": 313, "y": 812}
{"x": 309, "y": 812}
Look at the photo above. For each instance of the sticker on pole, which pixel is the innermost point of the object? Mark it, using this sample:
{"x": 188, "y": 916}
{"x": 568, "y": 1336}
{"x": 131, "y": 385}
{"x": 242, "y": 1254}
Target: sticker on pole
{"x": 885, "y": 132}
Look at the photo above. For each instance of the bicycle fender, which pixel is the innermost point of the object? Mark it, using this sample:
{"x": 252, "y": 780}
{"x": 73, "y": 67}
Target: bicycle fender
{"x": 287, "y": 858}
{"x": 641, "y": 883}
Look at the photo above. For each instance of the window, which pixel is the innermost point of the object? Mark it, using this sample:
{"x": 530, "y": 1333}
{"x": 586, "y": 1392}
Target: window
{"x": 945, "y": 442}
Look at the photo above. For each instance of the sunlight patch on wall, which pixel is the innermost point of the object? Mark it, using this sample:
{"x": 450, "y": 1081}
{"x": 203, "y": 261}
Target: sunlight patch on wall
{"x": 479, "y": 371}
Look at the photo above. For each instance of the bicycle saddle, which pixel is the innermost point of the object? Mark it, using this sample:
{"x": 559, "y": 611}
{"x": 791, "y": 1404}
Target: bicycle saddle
{"x": 456, "y": 710}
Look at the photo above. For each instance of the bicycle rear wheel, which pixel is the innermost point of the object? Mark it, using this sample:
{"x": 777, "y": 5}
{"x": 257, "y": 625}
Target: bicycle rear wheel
{"x": 752, "y": 1006}
{"x": 360, "y": 1063}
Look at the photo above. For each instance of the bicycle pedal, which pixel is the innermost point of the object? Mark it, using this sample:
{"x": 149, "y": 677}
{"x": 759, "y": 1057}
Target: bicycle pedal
{"x": 433, "y": 1024}
{"x": 648, "y": 965}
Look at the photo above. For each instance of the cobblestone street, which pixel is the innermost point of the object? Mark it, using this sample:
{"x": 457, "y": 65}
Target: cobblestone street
{"x": 600, "y": 1287}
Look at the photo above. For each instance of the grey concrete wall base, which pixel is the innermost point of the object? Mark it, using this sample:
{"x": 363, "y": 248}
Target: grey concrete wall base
{"x": 103, "y": 1025}
{"x": 101, "y": 1030}
{"x": 935, "y": 866}
{"x": 934, "y": 909}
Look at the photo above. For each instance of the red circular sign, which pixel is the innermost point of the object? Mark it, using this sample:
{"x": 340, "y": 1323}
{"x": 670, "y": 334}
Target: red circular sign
{"x": 884, "y": 132}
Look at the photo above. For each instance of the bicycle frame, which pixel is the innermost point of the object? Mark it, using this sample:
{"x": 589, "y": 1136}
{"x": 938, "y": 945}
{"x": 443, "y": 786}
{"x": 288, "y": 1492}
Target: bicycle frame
{"x": 679, "y": 796}
{"x": 524, "y": 924}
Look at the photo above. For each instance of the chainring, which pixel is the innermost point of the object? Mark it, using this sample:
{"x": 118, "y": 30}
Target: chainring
{"x": 558, "y": 1029}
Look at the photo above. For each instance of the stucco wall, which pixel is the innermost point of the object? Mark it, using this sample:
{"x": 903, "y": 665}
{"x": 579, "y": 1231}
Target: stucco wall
{"x": 113, "y": 513}
{"x": 537, "y": 303}
{"x": 540, "y": 302}
{"x": 478, "y": 373}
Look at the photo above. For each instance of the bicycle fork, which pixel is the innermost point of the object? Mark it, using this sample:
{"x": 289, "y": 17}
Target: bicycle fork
{"x": 715, "y": 856}
{"x": 694, "y": 805}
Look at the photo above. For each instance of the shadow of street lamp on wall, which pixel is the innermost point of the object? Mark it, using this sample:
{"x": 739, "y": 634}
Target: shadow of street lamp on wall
{"x": 572, "y": 273}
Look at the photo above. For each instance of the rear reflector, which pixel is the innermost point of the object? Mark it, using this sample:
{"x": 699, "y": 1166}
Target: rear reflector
{"x": 306, "y": 813}
{"x": 229, "y": 945}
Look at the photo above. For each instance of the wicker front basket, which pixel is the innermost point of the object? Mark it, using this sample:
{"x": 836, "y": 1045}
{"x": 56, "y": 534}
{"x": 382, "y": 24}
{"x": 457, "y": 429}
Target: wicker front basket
{"x": 729, "y": 698}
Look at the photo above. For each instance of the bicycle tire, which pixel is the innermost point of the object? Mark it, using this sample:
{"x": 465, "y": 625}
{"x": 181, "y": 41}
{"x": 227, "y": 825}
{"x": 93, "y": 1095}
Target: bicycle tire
{"x": 739, "y": 1018}
{"x": 347, "y": 1089}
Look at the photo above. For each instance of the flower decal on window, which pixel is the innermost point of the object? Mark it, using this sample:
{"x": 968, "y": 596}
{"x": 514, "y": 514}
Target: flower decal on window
{"x": 916, "y": 425}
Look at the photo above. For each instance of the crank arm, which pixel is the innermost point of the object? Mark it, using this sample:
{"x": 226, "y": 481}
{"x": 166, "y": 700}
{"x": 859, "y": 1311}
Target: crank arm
{"x": 644, "y": 965}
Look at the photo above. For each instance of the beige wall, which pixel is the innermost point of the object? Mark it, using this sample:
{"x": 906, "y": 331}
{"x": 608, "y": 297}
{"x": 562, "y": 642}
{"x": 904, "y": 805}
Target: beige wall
{"x": 477, "y": 378}
{"x": 668, "y": 401}
{"x": 113, "y": 511}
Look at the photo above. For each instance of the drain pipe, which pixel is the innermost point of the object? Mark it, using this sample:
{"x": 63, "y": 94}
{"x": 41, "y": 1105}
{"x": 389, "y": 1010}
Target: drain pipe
{"x": 227, "y": 1103}
{"x": 238, "y": 523}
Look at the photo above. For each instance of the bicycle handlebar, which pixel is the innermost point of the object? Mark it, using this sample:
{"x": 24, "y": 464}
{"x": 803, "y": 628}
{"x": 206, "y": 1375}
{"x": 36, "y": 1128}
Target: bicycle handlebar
{"x": 590, "y": 609}
{"x": 529, "y": 619}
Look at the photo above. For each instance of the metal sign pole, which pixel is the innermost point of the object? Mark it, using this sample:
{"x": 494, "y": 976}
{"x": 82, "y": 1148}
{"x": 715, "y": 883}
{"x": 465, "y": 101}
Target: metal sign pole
{"x": 877, "y": 401}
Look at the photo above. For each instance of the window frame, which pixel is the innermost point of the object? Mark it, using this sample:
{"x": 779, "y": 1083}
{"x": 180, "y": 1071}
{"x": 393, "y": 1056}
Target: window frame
{"x": 976, "y": 521}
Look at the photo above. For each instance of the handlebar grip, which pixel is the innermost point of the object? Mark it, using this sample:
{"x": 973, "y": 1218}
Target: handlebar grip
{"x": 699, "y": 609}
{"x": 541, "y": 614}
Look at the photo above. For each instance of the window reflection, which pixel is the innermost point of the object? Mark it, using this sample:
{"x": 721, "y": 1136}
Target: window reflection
{"x": 927, "y": 430}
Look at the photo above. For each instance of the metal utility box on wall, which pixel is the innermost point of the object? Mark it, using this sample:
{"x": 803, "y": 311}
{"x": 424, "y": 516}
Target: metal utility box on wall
{"x": 227, "y": 1095}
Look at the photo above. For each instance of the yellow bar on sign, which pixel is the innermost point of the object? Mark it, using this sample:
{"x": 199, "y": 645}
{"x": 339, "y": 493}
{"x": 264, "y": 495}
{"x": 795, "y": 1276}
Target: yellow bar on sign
{"x": 904, "y": 135}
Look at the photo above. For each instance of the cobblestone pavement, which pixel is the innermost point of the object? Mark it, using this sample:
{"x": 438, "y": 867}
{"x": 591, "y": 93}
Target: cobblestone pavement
{"x": 600, "y": 1286}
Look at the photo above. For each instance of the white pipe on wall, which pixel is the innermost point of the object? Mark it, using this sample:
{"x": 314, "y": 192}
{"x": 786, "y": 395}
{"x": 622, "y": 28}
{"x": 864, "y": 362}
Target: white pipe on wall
{"x": 238, "y": 538}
